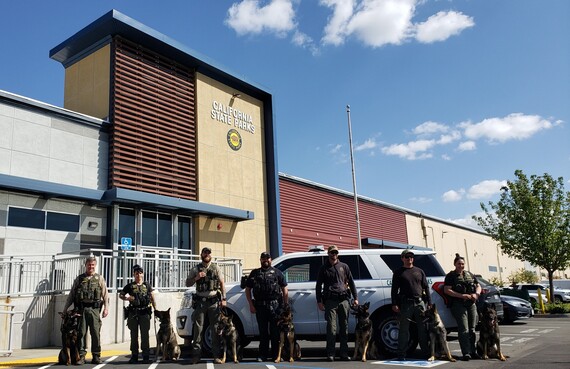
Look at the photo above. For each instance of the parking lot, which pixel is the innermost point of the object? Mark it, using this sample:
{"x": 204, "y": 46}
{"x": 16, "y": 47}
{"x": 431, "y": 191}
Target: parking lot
{"x": 532, "y": 343}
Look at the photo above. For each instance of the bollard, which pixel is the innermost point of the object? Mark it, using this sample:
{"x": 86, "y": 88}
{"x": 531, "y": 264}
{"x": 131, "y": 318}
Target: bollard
{"x": 540, "y": 302}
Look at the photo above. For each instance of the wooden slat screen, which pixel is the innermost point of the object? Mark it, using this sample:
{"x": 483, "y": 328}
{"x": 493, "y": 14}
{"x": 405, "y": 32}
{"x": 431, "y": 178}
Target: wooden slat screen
{"x": 153, "y": 144}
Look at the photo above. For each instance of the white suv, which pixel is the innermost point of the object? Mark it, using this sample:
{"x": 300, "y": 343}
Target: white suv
{"x": 372, "y": 270}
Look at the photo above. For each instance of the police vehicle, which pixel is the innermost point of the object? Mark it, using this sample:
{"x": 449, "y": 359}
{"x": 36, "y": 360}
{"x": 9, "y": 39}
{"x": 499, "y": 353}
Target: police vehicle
{"x": 372, "y": 271}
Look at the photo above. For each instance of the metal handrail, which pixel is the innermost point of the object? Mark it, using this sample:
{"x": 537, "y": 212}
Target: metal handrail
{"x": 10, "y": 312}
{"x": 164, "y": 269}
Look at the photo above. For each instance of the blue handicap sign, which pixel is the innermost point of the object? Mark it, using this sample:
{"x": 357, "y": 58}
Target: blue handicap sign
{"x": 126, "y": 243}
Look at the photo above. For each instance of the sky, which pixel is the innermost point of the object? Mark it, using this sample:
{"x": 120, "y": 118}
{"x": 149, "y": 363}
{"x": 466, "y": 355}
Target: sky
{"x": 447, "y": 97}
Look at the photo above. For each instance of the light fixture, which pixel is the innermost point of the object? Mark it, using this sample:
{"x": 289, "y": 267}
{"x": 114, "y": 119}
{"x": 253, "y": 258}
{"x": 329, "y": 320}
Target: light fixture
{"x": 92, "y": 224}
{"x": 236, "y": 95}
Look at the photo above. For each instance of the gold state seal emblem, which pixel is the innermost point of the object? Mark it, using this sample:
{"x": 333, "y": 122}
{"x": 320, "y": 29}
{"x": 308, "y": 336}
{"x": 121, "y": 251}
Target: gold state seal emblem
{"x": 234, "y": 139}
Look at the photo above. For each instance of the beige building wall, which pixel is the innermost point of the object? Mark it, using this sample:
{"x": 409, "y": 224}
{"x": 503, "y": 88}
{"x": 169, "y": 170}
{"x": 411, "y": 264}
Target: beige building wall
{"x": 227, "y": 177}
{"x": 87, "y": 84}
{"x": 482, "y": 254}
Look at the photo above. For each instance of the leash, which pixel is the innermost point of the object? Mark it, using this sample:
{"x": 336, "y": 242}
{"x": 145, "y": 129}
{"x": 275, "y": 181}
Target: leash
{"x": 156, "y": 337}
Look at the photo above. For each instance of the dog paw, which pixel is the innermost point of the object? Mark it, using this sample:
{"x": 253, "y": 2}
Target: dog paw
{"x": 452, "y": 359}
{"x": 502, "y": 358}
{"x": 485, "y": 357}
{"x": 431, "y": 358}
{"x": 278, "y": 360}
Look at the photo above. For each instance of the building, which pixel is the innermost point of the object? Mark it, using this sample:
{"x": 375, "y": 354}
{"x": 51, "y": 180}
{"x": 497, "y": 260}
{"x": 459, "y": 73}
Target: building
{"x": 154, "y": 148}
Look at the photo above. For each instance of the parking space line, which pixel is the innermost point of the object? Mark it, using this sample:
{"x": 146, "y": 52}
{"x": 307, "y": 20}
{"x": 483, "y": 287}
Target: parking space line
{"x": 105, "y": 362}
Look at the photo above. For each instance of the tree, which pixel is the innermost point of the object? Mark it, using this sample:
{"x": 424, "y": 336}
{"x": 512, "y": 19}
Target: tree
{"x": 531, "y": 221}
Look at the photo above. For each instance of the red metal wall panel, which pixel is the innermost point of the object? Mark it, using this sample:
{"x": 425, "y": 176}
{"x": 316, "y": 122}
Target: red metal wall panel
{"x": 312, "y": 215}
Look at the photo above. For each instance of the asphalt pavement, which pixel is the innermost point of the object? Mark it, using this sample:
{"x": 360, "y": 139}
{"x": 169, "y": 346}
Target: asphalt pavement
{"x": 532, "y": 343}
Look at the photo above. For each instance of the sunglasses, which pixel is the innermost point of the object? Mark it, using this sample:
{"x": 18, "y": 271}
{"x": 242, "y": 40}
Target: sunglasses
{"x": 333, "y": 252}
{"x": 409, "y": 256}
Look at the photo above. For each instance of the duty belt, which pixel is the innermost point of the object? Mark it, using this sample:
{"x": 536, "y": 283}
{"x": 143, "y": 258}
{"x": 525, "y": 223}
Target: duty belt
{"x": 207, "y": 298}
{"x": 95, "y": 305}
{"x": 411, "y": 299}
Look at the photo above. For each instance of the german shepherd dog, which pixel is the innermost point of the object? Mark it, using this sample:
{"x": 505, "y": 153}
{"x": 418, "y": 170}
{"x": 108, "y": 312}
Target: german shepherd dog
{"x": 489, "y": 344}
{"x": 437, "y": 334}
{"x": 69, "y": 353}
{"x": 227, "y": 335}
{"x": 166, "y": 338}
{"x": 288, "y": 345}
{"x": 363, "y": 330}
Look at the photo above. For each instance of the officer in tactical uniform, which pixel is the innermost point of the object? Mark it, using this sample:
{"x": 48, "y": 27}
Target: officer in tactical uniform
{"x": 464, "y": 290}
{"x": 89, "y": 295}
{"x": 269, "y": 295}
{"x": 334, "y": 288}
{"x": 410, "y": 297}
{"x": 138, "y": 314}
{"x": 209, "y": 297}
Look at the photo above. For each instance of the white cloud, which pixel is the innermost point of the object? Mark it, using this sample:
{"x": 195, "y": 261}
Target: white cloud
{"x": 441, "y": 26}
{"x": 421, "y": 200}
{"x": 468, "y": 221}
{"x": 249, "y": 17}
{"x": 374, "y": 22}
{"x": 449, "y": 138}
{"x": 412, "y": 150}
{"x": 428, "y": 128}
{"x": 485, "y": 189}
{"x": 335, "y": 149}
{"x": 467, "y": 146}
{"x": 381, "y": 22}
{"x": 367, "y": 145}
{"x": 516, "y": 126}
{"x": 453, "y": 196}
{"x": 335, "y": 30}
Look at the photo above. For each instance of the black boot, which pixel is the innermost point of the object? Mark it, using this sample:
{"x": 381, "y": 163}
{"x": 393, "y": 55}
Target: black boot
{"x": 134, "y": 359}
{"x": 145, "y": 359}
{"x": 96, "y": 359}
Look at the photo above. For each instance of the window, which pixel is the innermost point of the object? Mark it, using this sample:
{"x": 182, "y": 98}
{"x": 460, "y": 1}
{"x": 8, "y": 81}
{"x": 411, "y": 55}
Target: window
{"x": 62, "y": 222}
{"x": 29, "y": 218}
{"x": 184, "y": 233}
{"x": 492, "y": 268}
{"x": 303, "y": 269}
{"x": 40, "y": 219}
{"x": 156, "y": 229}
{"x": 356, "y": 265}
{"x": 127, "y": 224}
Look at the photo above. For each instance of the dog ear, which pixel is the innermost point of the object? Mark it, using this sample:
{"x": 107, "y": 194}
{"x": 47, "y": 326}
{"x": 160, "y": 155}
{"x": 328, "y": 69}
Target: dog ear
{"x": 367, "y": 305}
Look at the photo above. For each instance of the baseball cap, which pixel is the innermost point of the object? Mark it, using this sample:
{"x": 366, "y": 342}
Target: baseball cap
{"x": 333, "y": 248}
{"x": 407, "y": 252}
{"x": 265, "y": 255}
{"x": 137, "y": 268}
{"x": 206, "y": 250}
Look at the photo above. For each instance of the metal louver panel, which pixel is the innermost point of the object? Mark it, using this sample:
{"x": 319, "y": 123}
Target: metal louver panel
{"x": 153, "y": 145}
{"x": 314, "y": 216}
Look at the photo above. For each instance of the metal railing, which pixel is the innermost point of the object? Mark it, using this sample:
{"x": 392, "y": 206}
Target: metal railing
{"x": 164, "y": 269}
{"x": 7, "y": 309}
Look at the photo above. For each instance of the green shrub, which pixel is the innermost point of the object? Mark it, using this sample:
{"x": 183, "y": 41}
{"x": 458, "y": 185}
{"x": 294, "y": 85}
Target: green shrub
{"x": 557, "y": 308}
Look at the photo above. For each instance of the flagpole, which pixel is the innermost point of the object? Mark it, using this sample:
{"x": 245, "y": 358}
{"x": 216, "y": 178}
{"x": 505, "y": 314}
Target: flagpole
{"x": 353, "y": 177}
